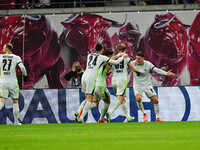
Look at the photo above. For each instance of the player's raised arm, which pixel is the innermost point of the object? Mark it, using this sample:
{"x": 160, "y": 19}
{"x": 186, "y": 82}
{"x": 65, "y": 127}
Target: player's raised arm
{"x": 117, "y": 59}
{"x": 119, "y": 55}
{"x": 115, "y": 62}
{"x": 114, "y": 57}
{"x": 132, "y": 67}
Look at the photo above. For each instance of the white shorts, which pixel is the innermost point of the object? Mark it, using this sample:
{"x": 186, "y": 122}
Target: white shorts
{"x": 101, "y": 92}
{"x": 9, "y": 90}
{"x": 119, "y": 87}
{"x": 149, "y": 91}
{"x": 87, "y": 84}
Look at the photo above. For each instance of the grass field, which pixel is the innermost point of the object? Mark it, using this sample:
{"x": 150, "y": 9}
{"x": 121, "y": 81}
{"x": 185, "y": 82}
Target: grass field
{"x": 114, "y": 136}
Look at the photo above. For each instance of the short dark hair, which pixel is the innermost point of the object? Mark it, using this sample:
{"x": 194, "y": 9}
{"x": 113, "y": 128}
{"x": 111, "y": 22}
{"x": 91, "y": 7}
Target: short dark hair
{"x": 121, "y": 47}
{"x": 98, "y": 47}
{"x": 140, "y": 53}
{"x": 108, "y": 53}
{"x": 9, "y": 46}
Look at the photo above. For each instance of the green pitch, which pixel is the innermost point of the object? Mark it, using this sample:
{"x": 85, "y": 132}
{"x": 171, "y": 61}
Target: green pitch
{"x": 114, "y": 136}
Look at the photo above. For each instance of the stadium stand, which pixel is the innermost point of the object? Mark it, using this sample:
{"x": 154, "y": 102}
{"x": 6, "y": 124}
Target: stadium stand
{"x": 27, "y": 4}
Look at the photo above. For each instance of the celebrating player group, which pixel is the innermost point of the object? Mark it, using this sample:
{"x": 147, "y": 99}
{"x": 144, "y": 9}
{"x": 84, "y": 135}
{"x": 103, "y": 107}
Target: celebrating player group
{"x": 103, "y": 62}
{"x": 99, "y": 64}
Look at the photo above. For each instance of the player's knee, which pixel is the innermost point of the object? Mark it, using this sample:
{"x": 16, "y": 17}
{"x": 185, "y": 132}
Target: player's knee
{"x": 121, "y": 99}
{"x": 97, "y": 103}
{"x": 138, "y": 98}
{"x": 15, "y": 101}
{"x": 89, "y": 98}
{"x": 154, "y": 99}
{"x": 124, "y": 101}
{"x": 107, "y": 100}
{"x": 3, "y": 100}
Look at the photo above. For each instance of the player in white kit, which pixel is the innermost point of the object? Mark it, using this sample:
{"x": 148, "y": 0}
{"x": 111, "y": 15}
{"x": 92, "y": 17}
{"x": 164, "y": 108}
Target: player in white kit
{"x": 142, "y": 83}
{"x": 100, "y": 92}
{"x": 119, "y": 83}
{"x": 93, "y": 78}
{"x": 8, "y": 79}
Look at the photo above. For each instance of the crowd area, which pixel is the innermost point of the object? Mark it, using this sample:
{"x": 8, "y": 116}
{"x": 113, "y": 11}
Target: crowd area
{"x": 30, "y": 4}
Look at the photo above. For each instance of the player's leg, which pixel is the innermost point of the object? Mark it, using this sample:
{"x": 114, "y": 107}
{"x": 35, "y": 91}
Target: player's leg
{"x": 156, "y": 107}
{"x": 125, "y": 110}
{"x": 120, "y": 91}
{"x": 3, "y": 95}
{"x": 16, "y": 112}
{"x": 78, "y": 113}
{"x": 14, "y": 94}
{"x": 88, "y": 105}
{"x": 89, "y": 89}
{"x": 150, "y": 92}
{"x": 116, "y": 105}
{"x": 138, "y": 96}
{"x": 2, "y": 102}
{"x": 106, "y": 99}
{"x": 140, "y": 105}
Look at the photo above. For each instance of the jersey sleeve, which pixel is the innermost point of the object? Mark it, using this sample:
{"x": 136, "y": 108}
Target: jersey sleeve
{"x": 21, "y": 65}
{"x": 151, "y": 66}
{"x": 127, "y": 60}
{"x": 104, "y": 58}
{"x": 115, "y": 62}
{"x": 157, "y": 70}
{"x": 18, "y": 60}
{"x": 23, "y": 69}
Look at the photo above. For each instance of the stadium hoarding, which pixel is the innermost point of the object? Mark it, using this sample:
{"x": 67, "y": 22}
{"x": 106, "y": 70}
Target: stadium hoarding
{"x": 49, "y": 44}
{"x": 42, "y": 106}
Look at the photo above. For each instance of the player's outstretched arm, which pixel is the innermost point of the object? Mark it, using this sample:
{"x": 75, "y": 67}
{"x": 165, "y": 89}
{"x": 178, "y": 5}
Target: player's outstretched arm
{"x": 162, "y": 72}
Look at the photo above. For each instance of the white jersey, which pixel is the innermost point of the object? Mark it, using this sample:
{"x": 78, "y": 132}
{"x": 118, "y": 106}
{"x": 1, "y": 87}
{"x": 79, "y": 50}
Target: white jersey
{"x": 96, "y": 65}
{"x": 144, "y": 79}
{"x": 8, "y": 63}
{"x": 120, "y": 77}
{"x": 120, "y": 70}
